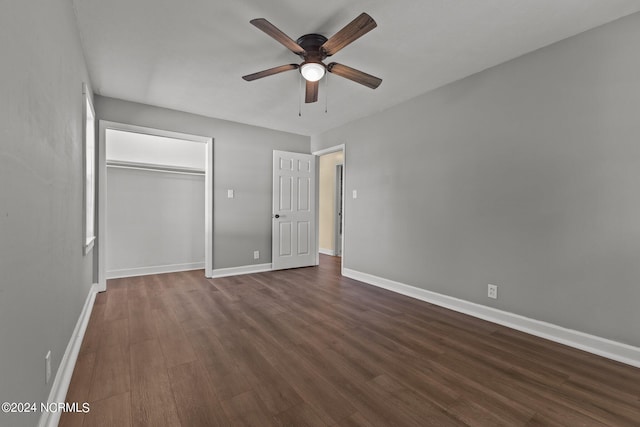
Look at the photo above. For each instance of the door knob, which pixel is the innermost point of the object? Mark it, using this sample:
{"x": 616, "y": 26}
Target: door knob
{"x": 277, "y": 216}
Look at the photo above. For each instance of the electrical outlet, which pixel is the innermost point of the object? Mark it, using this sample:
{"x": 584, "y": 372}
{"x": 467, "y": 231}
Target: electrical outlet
{"x": 230, "y": 194}
{"x": 47, "y": 367}
{"x": 492, "y": 291}
{"x": 354, "y": 193}
{"x": 256, "y": 254}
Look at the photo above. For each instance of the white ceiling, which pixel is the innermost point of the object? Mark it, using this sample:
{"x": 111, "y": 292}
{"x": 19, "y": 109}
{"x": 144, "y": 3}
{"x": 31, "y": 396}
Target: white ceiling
{"x": 190, "y": 55}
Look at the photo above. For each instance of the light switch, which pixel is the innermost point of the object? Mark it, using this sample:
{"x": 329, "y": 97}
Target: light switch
{"x": 355, "y": 194}
{"x": 229, "y": 194}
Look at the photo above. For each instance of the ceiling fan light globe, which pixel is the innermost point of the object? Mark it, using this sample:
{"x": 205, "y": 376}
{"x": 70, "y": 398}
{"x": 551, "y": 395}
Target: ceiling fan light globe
{"x": 312, "y": 71}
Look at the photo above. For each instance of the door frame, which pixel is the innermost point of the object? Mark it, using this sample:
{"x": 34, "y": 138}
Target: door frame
{"x": 318, "y": 153}
{"x": 102, "y": 190}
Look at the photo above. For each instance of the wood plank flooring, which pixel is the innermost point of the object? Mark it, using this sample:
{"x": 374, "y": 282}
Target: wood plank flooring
{"x": 307, "y": 347}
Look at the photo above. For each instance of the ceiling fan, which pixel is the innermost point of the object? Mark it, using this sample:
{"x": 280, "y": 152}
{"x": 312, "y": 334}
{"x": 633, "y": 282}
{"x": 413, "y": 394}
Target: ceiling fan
{"x": 313, "y": 49}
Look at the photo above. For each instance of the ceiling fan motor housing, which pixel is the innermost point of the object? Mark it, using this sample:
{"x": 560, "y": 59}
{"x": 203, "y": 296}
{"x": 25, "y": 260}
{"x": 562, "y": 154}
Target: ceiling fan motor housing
{"x": 311, "y": 43}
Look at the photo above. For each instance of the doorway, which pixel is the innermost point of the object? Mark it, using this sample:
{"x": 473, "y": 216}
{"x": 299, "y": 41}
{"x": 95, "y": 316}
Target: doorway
{"x": 337, "y": 211}
{"x": 150, "y": 172}
{"x": 331, "y": 184}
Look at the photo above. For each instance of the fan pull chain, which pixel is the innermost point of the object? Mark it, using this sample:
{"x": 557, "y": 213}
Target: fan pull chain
{"x": 300, "y": 97}
{"x": 326, "y": 92}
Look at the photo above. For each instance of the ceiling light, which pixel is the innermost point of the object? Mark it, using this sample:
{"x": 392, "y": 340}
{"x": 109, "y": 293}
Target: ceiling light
{"x": 312, "y": 71}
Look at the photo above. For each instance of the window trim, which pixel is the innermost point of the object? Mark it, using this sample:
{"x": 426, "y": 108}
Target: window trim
{"x": 89, "y": 170}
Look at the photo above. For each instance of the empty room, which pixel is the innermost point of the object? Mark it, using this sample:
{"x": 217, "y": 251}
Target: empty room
{"x": 292, "y": 213}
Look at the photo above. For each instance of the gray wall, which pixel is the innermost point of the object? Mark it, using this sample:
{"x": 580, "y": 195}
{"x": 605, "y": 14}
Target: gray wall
{"x": 44, "y": 276}
{"x": 526, "y": 175}
{"x": 155, "y": 219}
{"x": 242, "y": 156}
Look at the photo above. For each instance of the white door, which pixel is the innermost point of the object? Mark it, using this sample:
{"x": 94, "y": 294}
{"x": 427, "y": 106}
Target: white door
{"x": 294, "y": 211}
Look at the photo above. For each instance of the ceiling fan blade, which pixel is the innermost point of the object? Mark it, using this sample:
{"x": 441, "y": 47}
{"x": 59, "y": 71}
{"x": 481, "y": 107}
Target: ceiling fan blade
{"x": 311, "y": 94}
{"x": 278, "y": 35}
{"x": 351, "y": 32}
{"x": 354, "y": 75}
{"x": 270, "y": 72}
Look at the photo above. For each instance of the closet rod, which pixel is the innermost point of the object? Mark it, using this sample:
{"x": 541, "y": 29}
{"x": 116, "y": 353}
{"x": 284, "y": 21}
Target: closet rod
{"x": 154, "y": 168}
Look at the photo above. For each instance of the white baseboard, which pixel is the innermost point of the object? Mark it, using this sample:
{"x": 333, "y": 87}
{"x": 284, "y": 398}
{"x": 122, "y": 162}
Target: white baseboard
{"x": 155, "y": 269}
{"x": 236, "y": 271}
{"x": 614, "y": 350}
{"x": 62, "y": 379}
{"x": 330, "y": 252}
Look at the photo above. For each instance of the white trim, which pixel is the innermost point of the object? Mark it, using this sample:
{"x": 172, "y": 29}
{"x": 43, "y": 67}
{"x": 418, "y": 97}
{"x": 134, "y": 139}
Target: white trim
{"x": 317, "y": 208}
{"x": 330, "y": 252}
{"x": 335, "y": 148}
{"x": 62, "y": 380}
{"x": 593, "y": 344}
{"x": 237, "y": 271}
{"x": 102, "y": 208}
{"x": 208, "y": 209}
{"x": 89, "y": 170}
{"x": 102, "y": 191}
{"x": 155, "y": 269}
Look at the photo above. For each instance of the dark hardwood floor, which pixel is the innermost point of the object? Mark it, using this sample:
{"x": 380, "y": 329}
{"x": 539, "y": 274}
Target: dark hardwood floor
{"x": 309, "y": 347}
